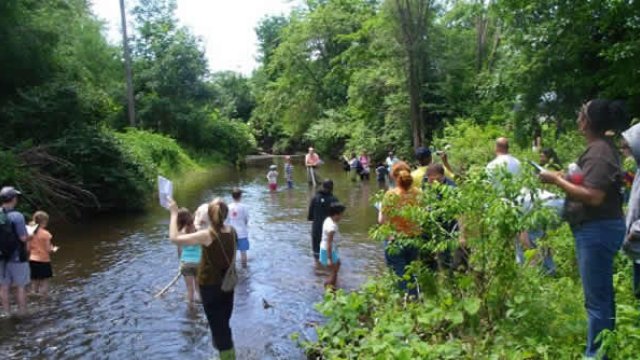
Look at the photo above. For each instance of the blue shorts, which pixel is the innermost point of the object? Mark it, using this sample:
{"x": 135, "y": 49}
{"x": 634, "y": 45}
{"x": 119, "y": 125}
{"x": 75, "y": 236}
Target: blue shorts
{"x": 324, "y": 256}
{"x": 243, "y": 244}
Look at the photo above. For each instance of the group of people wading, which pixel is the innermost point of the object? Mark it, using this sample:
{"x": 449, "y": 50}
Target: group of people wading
{"x": 593, "y": 206}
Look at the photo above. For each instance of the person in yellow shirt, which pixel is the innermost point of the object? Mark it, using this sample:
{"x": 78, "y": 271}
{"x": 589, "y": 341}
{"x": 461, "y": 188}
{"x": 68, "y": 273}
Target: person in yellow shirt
{"x": 424, "y": 158}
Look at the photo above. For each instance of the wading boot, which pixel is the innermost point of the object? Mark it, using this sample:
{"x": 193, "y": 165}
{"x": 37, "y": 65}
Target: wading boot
{"x": 228, "y": 354}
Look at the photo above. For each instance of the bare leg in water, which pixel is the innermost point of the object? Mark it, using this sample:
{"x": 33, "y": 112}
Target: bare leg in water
{"x": 44, "y": 288}
{"x": 331, "y": 281}
{"x": 190, "y": 283}
{"x": 4, "y": 297}
{"x": 22, "y": 299}
{"x": 243, "y": 258}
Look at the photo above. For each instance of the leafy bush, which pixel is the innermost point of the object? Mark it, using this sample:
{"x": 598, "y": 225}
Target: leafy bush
{"x": 494, "y": 310}
{"x": 155, "y": 152}
{"x": 469, "y": 143}
{"x": 328, "y": 135}
{"x": 231, "y": 138}
{"x": 100, "y": 165}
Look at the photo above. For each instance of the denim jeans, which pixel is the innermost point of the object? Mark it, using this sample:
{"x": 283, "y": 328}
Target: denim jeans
{"x": 548, "y": 264}
{"x": 397, "y": 259}
{"x": 597, "y": 243}
{"x": 636, "y": 278}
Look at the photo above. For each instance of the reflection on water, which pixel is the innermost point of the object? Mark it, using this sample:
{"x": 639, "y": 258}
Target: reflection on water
{"x": 108, "y": 270}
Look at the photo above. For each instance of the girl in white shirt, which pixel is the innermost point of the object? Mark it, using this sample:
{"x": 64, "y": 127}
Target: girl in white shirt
{"x": 272, "y": 178}
{"x": 329, "y": 255}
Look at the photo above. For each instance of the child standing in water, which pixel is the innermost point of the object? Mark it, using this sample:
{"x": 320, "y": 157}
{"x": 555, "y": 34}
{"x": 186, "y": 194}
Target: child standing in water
{"x": 239, "y": 219}
{"x": 288, "y": 171}
{"x": 272, "y": 177}
{"x": 40, "y": 248}
{"x": 382, "y": 173}
{"x": 189, "y": 255}
{"x": 329, "y": 255}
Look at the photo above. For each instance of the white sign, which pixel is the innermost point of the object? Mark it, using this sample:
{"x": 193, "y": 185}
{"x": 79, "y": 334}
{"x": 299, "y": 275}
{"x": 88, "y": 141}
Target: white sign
{"x": 165, "y": 191}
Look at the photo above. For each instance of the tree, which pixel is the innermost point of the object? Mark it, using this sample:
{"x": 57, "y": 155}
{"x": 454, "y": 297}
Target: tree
{"x": 558, "y": 54}
{"x": 412, "y": 19}
{"x": 170, "y": 72}
{"x": 232, "y": 93}
{"x": 269, "y": 33}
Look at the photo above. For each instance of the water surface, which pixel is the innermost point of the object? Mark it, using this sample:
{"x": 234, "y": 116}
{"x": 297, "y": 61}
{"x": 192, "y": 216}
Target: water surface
{"x": 107, "y": 271}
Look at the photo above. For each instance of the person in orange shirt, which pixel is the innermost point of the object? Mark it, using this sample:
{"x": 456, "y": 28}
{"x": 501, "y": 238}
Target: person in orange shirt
{"x": 40, "y": 248}
{"x": 404, "y": 194}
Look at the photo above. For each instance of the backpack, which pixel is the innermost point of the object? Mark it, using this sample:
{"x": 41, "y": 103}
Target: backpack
{"x": 9, "y": 241}
{"x": 358, "y": 166}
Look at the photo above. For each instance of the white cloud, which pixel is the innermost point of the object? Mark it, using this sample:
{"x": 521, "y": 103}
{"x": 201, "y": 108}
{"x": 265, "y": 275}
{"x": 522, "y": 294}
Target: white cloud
{"x": 227, "y": 27}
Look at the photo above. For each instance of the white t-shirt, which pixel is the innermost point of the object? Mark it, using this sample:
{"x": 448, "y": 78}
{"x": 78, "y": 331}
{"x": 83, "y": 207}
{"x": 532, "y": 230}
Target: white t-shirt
{"x": 329, "y": 226}
{"x": 512, "y": 164}
{"x": 272, "y": 177}
{"x": 239, "y": 219}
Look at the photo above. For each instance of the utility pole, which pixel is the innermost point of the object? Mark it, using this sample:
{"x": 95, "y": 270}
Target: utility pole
{"x": 127, "y": 66}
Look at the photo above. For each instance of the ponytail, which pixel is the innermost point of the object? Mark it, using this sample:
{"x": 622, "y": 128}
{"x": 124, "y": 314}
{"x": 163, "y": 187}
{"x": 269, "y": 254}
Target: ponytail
{"x": 603, "y": 115}
{"x": 218, "y": 211}
{"x": 401, "y": 172}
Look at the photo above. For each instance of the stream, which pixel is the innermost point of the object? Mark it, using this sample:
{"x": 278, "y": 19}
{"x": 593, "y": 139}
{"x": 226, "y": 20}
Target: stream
{"x": 107, "y": 271}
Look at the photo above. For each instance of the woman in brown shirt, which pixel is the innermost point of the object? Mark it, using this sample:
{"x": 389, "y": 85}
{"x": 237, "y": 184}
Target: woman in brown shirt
{"x": 594, "y": 210}
{"x": 218, "y": 250}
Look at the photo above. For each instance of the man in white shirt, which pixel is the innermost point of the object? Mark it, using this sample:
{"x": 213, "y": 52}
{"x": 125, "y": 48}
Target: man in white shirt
{"x": 504, "y": 159}
{"x": 239, "y": 219}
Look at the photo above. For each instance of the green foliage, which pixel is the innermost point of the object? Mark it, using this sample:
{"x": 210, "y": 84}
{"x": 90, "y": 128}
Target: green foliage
{"x": 62, "y": 87}
{"x": 231, "y": 138}
{"x": 233, "y": 97}
{"x": 169, "y": 73}
{"x": 495, "y": 310}
{"x": 468, "y": 143}
{"x": 156, "y": 153}
{"x": 576, "y": 50}
{"x": 104, "y": 168}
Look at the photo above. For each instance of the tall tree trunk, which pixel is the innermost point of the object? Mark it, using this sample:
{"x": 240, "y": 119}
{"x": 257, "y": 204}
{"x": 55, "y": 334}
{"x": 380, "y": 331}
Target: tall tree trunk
{"x": 412, "y": 16}
{"x": 415, "y": 100}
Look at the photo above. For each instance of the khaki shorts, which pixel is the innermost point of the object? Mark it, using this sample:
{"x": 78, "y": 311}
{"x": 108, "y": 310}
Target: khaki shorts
{"x": 14, "y": 273}
{"x": 188, "y": 269}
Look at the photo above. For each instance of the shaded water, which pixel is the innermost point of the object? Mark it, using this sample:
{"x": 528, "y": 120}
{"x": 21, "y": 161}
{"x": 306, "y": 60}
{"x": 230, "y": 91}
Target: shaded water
{"x": 107, "y": 271}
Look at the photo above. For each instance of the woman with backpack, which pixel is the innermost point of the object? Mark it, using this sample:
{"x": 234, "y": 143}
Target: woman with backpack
{"x": 216, "y": 272}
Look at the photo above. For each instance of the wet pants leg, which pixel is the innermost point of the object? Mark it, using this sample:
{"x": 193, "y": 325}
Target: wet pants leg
{"x": 397, "y": 259}
{"x": 218, "y": 306}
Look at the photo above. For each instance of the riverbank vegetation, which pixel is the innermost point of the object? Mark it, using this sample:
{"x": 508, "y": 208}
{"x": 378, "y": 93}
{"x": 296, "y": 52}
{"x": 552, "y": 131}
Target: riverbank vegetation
{"x": 64, "y": 137}
{"x": 492, "y": 309}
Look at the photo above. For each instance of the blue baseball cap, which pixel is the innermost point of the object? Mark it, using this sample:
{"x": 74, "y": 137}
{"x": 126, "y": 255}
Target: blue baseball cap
{"x": 422, "y": 153}
{"x": 8, "y": 193}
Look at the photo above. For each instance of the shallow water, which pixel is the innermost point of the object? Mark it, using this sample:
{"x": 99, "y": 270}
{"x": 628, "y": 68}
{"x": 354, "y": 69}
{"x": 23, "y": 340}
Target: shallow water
{"x": 107, "y": 271}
